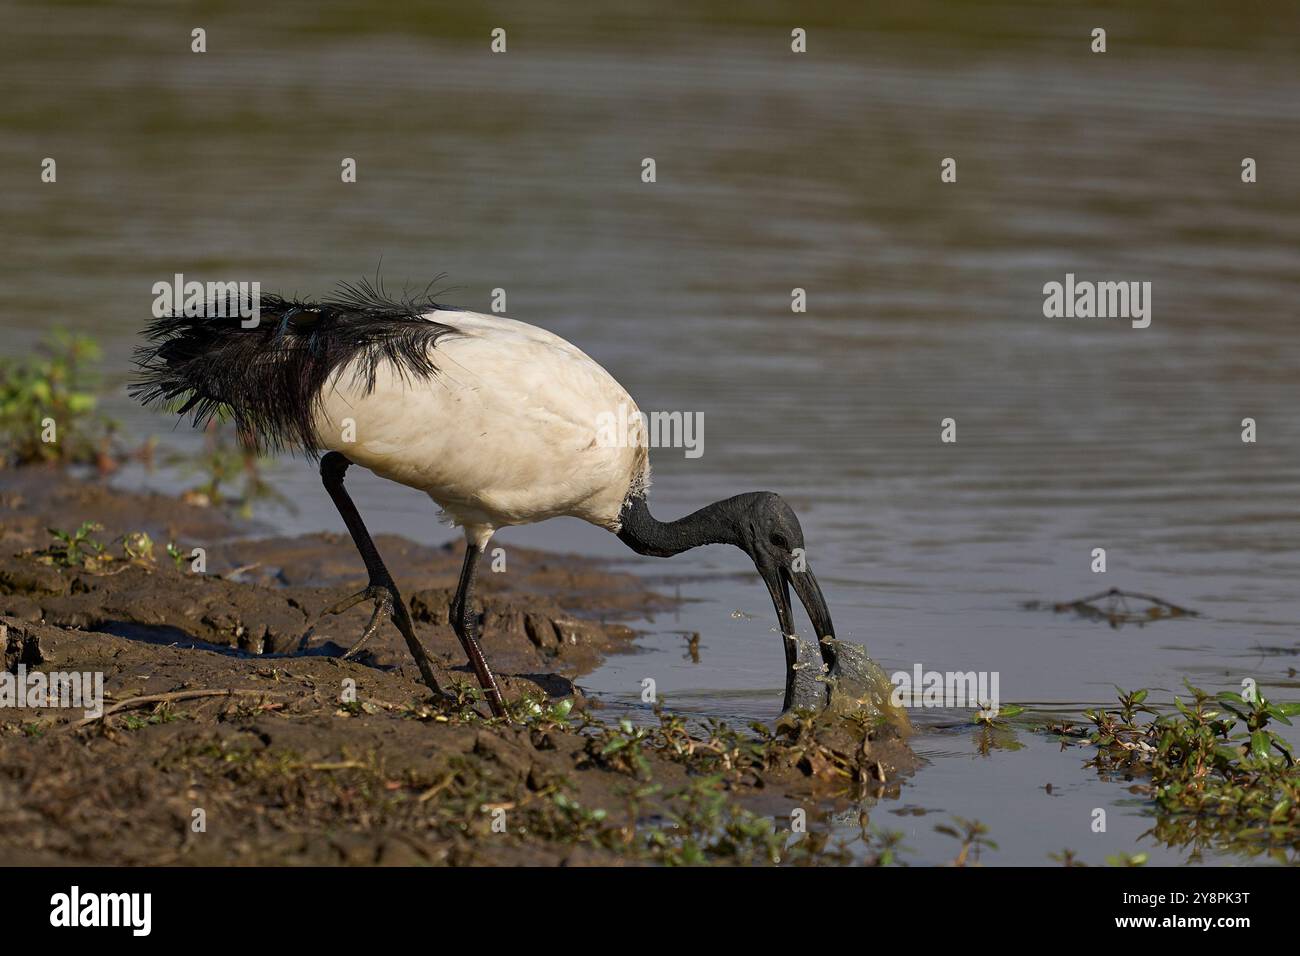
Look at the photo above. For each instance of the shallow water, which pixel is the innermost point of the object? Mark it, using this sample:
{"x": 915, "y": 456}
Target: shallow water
{"x": 775, "y": 171}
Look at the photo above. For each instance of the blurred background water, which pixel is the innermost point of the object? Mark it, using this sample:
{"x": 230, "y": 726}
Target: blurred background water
{"x": 775, "y": 171}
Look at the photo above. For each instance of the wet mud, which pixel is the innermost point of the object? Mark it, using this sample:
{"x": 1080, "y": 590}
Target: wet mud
{"x": 233, "y": 733}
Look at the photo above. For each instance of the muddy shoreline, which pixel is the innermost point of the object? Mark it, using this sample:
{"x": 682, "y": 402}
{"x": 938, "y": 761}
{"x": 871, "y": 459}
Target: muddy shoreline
{"x": 234, "y": 741}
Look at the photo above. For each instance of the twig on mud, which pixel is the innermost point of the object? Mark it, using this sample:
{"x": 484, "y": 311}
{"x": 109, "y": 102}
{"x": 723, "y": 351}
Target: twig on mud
{"x": 232, "y": 574}
{"x": 132, "y": 702}
{"x": 437, "y": 788}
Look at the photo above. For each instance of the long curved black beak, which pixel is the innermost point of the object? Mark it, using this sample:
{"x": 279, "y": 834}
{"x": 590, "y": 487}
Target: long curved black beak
{"x": 810, "y": 596}
{"x": 779, "y": 580}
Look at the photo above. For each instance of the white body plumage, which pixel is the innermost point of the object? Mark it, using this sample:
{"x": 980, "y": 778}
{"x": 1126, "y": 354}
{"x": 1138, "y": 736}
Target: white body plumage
{"x": 507, "y": 433}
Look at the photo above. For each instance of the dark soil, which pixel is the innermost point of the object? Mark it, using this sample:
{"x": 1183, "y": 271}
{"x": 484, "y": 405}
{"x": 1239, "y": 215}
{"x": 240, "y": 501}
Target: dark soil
{"x": 317, "y": 760}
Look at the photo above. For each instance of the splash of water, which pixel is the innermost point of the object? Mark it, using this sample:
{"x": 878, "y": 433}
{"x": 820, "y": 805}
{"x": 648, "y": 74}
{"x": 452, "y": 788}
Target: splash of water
{"x": 856, "y": 687}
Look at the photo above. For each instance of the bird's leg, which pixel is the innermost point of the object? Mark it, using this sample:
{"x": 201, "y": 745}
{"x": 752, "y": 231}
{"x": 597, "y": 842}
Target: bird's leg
{"x": 465, "y": 624}
{"x": 381, "y": 588}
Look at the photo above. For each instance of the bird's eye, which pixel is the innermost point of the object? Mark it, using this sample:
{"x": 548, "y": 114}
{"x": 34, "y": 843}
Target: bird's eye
{"x": 780, "y": 541}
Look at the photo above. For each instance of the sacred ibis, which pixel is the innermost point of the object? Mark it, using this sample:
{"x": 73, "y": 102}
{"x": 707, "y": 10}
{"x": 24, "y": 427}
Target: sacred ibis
{"x": 494, "y": 419}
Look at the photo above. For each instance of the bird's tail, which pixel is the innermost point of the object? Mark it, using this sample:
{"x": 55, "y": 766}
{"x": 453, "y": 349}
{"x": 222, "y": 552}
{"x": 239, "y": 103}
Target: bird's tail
{"x": 269, "y": 376}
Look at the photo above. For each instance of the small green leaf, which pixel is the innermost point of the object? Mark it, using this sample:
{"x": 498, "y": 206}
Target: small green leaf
{"x": 1259, "y": 744}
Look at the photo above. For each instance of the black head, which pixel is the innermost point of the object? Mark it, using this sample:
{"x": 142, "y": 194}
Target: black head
{"x": 768, "y": 531}
{"x": 763, "y": 526}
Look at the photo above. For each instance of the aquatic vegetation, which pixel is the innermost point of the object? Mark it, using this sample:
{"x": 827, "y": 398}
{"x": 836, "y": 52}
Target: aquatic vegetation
{"x": 620, "y": 748}
{"x": 48, "y": 406}
{"x": 998, "y": 718}
{"x": 579, "y": 823}
{"x": 716, "y": 749}
{"x": 994, "y": 729}
{"x": 539, "y": 711}
{"x": 703, "y": 822}
{"x": 1066, "y": 857}
{"x": 841, "y": 754}
{"x": 1112, "y": 606}
{"x": 1218, "y": 775}
{"x": 972, "y": 835}
{"x": 700, "y": 823}
{"x": 706, "y": 826}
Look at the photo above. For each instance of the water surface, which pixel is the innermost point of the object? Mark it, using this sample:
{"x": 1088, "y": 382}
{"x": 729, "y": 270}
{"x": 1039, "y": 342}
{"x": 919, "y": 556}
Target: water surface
{"x": 775, "y": 171}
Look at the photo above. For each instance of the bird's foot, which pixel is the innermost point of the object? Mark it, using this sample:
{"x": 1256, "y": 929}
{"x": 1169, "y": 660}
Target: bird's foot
{"x": 388, "y": 603}
{"x": 385, "y": 606}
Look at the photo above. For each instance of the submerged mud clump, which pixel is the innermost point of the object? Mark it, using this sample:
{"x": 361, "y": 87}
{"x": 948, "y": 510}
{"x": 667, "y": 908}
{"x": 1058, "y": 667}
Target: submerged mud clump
{"x": 225, "y": 737}
{"x": 856, "y": 688}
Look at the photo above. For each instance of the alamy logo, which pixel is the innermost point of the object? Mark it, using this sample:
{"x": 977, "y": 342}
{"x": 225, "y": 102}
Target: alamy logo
{"x": 627, "y": 428}
{"x": 37, "y": 689}
{"x": 1098, "y": 300}
{"x": 922, "y": 688}
{"x": 208, "y": 300}
{"x": 75, "y": 908}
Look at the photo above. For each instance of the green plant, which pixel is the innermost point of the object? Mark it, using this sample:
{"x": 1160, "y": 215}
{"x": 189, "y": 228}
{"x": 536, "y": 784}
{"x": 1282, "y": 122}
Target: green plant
{"x": 1219, "y": 777}
{"x": 1066, "y": 857}
{"x": 1126, "y": 859}
{"x": 621, "y": 748}
{"x": 1255, "y": 715}
{"x": 163, "y": 714}
{"x": 138, "y": 547}
{"x": 992, "y": 718}
{"x": 75, "y": 549}
{"x": 883, "y": 847}
{"x": 707, "y": 826}
{"x": 996, "y": 731}
{"x": 78, "y": 549}
{"x": 540, "y": 713}
{"x": 178, "y": 556}
{"x": 973, "y": 836}
{"x": 47, "y": 404}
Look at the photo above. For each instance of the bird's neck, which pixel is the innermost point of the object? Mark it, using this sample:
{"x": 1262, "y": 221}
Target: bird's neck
{"x": 645, "y": 534}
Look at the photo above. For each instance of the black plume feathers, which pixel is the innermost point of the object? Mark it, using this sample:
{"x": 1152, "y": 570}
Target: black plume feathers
{"x": 270, "y": 378}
